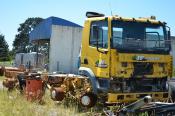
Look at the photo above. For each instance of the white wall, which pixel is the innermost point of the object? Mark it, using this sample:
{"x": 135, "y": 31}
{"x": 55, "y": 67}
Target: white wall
{"x": 65, "y": 45}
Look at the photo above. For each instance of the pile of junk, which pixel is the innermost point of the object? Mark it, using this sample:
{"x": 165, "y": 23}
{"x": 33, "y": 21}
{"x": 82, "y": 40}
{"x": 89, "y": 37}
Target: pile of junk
{"x": 33, "y": 85}
{"x": 27, "y": 81}
{"x": 144, "y": 107}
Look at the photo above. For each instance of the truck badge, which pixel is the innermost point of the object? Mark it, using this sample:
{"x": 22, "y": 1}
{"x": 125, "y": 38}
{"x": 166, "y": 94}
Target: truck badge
{"x": 143, "y": 58}
{"x": 101, "y": 64}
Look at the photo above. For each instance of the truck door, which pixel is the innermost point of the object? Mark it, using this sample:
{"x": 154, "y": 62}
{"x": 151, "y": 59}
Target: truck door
{"x": 97, "y": 52}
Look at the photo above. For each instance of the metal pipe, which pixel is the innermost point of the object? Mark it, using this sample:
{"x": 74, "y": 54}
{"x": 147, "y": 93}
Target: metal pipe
{"x": 136, "y": 105}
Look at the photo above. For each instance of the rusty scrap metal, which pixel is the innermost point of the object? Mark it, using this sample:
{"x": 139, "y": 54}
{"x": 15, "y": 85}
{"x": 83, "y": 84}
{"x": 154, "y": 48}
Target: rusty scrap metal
{"x": 9, "y": 83}
{"x": 57, "y": 94}
{"x": 158, "y": 108}
{"x": 135, "y": 106}
{"x": 71, "y": 86}
{"x": 34, "y": 88}
{"x": 11, "y": 74}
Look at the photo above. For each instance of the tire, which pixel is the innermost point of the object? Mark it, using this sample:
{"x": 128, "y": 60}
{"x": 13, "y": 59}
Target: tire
{"x": 88, "y": 100}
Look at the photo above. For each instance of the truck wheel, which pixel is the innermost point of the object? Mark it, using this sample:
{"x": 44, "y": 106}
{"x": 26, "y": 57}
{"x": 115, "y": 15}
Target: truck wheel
{"x": 88, "y": 100}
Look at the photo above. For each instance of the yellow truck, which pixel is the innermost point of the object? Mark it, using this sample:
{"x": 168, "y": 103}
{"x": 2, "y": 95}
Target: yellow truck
{"x": 121, "y": 61}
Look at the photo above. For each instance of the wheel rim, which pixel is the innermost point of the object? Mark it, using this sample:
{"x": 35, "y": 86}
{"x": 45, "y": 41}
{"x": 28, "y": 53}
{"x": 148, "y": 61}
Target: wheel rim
{"x": 85, "y": 100}
{"x": 53, "y": 94}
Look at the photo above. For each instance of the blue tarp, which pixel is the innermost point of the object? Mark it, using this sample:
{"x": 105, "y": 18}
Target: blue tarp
{"x": 43, "y": 30}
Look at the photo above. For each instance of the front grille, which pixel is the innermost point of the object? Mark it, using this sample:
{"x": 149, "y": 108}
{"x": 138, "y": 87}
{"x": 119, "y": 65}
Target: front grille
{"x": 143, "y": 68}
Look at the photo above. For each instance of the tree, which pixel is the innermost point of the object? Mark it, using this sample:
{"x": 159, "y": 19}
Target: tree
{"x": 22, "y": 38}
{"x": 4, "y": 50}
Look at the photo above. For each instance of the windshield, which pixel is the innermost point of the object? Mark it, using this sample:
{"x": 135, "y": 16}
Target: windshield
{"x": 139, "y": 37}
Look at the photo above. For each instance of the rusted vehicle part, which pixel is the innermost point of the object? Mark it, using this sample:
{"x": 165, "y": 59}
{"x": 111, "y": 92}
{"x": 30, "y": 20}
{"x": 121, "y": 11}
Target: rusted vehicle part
{"x": 9, "y": 83}
{"x": 55, "y": 80}
{"x": 34, "y": 88}
{"x": 71, "y": 86}
{"x": 57, "y": 94}
{"x": 12, "y": 72}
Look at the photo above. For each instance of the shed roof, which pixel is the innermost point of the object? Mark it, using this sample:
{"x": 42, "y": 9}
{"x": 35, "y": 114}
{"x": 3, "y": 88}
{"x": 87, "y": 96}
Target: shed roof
{"x": 43, "y": 30}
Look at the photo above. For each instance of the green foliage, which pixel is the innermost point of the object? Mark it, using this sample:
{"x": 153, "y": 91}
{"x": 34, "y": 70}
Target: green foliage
{"x": 7, "y": 63}
{"x": 22, "y": 38}
{"x": 4, "y": 50}
{"x": 12, "y": 55}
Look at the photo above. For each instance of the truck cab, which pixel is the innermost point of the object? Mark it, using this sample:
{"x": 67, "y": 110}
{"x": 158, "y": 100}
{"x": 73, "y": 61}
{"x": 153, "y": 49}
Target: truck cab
{"x": 126, "y": 58}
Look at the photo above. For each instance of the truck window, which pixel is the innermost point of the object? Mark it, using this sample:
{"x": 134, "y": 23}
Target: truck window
{"x": 102, "y": 34}
{"x": 137, "y": 37}
{"x": 117, "y": 36}
{"x": 155, "y": 37}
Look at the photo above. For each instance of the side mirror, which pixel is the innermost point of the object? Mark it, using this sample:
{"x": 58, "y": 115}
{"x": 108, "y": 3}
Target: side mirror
{"x": 96, "y": 31}
{"x": 169, "y": 34}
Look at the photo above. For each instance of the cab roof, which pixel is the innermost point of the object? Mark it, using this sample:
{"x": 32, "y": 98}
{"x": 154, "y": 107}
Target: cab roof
{"x": 140, "y": 19}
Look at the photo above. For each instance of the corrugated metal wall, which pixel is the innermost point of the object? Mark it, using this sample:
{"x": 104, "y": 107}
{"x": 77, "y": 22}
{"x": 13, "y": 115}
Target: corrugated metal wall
{"x": 65, "y": 45}
{"x": 25, "y": 58}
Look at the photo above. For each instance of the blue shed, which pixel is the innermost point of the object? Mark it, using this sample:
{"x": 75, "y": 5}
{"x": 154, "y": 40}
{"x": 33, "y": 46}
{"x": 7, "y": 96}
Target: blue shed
{"x": 65, "y": 42}
{"x": 44, "y": 29}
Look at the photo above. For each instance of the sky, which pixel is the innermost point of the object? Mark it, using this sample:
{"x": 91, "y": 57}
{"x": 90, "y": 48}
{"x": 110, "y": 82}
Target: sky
{"x": 14, "y": 12}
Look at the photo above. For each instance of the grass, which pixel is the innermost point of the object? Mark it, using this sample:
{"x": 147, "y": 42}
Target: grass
{"x": 6, "y": 63}
{"x": 2, "y": 78}
{"x": 15, "y": 104}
